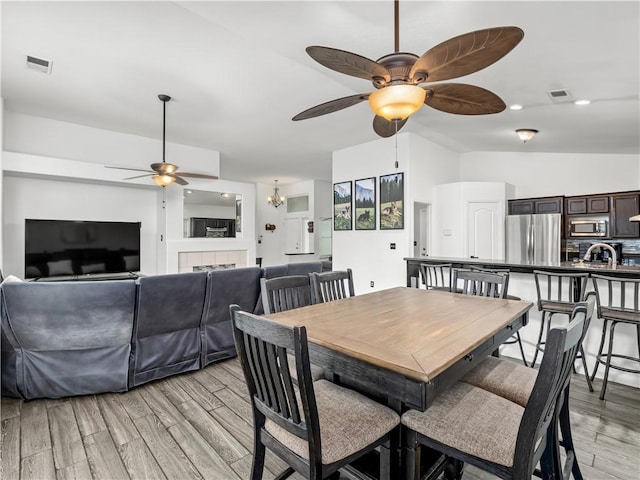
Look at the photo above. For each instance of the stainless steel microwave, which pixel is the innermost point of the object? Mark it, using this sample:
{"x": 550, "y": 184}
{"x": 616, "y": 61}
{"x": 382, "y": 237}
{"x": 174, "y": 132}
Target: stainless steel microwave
{"x": 588, "y": 228}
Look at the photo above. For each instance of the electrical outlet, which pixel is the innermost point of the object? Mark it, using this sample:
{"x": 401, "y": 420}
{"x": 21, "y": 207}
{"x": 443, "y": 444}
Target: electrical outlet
{"x": 393, "y": 246}
{"x": 371, "y": 283}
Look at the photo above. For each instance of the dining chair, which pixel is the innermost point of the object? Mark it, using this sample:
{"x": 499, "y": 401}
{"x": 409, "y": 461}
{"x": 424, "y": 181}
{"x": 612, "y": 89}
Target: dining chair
{"x": 515, "y": 382}
{"x": 480, "y": 283}
{"x": 280, "y": 294}
{"x": 284, "y": 293}
{"x": 474, "y": 426}
{"x": 618, "y": 301}
{"x": 319, "y": 427}
{"x": 330, "y": 286}
{"x": 516, "y": 337}
{"x": 558, "y": 293}
{"x": 436, "y": 276}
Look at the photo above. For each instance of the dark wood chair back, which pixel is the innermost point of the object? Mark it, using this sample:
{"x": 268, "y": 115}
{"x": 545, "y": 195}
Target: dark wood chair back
{"x": 330, "y": 286}
{"x": 436, "y": 276}
{"x": 538, "y": 428}
{"x": 285, "y": 293}
{"x": 480, "y": 283}
{"x": 262, "y": 347}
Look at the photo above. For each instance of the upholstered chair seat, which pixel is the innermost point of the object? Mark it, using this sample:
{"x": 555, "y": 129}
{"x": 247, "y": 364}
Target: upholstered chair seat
{"x": 349, "y": 422}
{"x": 469, "y": 419}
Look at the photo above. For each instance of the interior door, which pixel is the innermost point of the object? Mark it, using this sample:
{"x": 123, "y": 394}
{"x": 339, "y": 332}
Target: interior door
{"x": 292, "y": 235}
{"x": 485, "y": 230}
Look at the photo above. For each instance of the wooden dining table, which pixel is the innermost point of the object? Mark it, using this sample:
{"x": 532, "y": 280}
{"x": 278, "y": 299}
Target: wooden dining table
{"x": 403, "y": 346}
{"x": 406, "y": 344}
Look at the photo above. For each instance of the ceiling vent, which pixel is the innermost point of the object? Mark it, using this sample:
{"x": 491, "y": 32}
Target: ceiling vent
{"x": 560, "y": 96}
{"x": 39, "y": 64}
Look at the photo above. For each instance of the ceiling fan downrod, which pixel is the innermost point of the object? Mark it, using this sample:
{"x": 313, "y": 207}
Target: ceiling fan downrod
{"x": 396, "y": 25}
{"x": 164, "y": 99}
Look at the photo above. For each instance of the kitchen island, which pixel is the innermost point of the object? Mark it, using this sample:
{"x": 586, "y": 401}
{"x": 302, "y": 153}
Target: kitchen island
{"x": 522, "y": 284}
{"x": 413, "y": 267}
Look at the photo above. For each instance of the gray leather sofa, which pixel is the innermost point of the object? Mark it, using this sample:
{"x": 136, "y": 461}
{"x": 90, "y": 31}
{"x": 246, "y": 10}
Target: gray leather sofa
{"x": 76, "y": 338}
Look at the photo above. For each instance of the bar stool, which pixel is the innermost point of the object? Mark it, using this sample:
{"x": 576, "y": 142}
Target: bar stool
{"x": 558, "y": 294}
{"x": 618, "y": 302}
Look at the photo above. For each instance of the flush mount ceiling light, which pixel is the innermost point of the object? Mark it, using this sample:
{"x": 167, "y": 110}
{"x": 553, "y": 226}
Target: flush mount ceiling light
{"x": 526, "y": 134}
{"x": 515, "y": 106}
{"x": 582, "y": 102}
{"x": 276, "y": 200}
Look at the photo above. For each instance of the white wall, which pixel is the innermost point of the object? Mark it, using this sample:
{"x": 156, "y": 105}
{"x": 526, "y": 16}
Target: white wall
{"x": 52, "y": 138}
{"x": 368, "y": 252}
{"x": 547, "y": 174}
{"x": 42, "y": 198}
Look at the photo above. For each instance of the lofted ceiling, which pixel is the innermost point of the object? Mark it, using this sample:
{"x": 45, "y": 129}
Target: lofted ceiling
{"x": 238, "y": 72}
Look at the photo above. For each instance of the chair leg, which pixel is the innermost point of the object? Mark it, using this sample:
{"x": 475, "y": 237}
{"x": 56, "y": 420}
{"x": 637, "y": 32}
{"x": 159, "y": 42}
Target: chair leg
{"x": 608, "y": 364}
{"x": 257, "y": 467}
{"x": 567, "y": 437}
{"x": 524, "y": 358}
{"x": 586, "y": 371}
{"x": 599, "y": 354}
{"x": 539, "y": 342}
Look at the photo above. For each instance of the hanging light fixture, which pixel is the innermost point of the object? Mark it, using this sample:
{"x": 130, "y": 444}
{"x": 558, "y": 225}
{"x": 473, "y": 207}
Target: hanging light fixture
{"x": 526, "y": 134}
{"x": 276, "y": 200}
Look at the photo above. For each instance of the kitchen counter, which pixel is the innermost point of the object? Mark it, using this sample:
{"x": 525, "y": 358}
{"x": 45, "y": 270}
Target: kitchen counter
{"x": 413, "y": 266}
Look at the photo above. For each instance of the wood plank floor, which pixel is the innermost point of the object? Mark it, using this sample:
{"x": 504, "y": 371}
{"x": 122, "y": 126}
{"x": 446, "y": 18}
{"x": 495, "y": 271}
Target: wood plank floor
{"x": 197, "y": 426}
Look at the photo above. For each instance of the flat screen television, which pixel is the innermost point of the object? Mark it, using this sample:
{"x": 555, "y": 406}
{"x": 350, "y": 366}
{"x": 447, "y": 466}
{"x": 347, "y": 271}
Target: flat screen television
{"x": 68, "y": 248}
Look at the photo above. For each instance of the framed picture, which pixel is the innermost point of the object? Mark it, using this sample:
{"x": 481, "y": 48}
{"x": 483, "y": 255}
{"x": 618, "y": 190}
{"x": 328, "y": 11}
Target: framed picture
{"x": 392, "y": 201}
{"x": 364, "y": 211}
{"x": 342, "y": 206}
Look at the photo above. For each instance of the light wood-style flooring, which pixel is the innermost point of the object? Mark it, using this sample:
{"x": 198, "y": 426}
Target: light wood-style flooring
{"x": 197, "y": 426}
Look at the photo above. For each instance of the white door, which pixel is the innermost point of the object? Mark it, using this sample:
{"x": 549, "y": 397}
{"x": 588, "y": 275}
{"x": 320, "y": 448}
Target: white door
{"x": 292, "y": 235}
{"x": 485, "y": 230}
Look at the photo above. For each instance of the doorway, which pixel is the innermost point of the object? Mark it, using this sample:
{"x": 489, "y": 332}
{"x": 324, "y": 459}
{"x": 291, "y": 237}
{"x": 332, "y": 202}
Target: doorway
{"x": 421, "y": 226}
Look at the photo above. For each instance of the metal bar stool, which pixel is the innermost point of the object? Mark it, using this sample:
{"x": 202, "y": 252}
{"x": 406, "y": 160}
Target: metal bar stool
{"x": 617, "y": 300}
{"x": 558, "y": 294}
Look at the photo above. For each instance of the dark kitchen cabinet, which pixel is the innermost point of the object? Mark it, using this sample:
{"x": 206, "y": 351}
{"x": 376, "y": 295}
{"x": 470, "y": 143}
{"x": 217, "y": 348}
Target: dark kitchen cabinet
{"x": 623, "y": 206}
{"x": 212, "y": 227}
{"x": 581, "y": 205}
{"x": 527, "y": 206}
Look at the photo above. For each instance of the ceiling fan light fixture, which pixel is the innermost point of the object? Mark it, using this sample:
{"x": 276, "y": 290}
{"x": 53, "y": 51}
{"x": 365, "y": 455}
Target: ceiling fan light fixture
{"x": 163, "y": 180}
{"x": 397, "y": 102}
{"x": 526, "y": 134}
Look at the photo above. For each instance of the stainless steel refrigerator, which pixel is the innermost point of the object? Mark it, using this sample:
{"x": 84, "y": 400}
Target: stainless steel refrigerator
{"x": 534, "y": 239}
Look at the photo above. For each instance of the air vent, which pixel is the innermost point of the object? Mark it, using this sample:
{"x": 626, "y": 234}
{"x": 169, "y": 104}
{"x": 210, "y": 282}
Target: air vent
{"x": 39, "y": 64}
{"x": 560, "y": 96}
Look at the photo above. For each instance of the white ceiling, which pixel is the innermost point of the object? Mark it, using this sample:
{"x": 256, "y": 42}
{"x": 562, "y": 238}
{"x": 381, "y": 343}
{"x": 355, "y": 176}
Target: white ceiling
{"x": 238, "y": 72}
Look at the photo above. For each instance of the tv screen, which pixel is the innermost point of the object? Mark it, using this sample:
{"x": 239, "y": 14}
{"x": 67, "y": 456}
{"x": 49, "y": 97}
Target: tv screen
{"x": 68, "y": 247}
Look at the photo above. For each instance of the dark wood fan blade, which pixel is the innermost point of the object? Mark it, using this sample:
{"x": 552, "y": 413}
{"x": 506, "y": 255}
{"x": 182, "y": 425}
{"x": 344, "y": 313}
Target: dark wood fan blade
{"x": 125, "y": 168}
{"x": 462, "y": 99}
{"x": 332, "y": 106}
{"x": 139, "y": 176}
{"x": 348, "y": 63}
{"x": 386, "y": 128}
{"x": 198, "y": 175}
{"x": 466, "y": 53}
{"x": 179, "y": 180}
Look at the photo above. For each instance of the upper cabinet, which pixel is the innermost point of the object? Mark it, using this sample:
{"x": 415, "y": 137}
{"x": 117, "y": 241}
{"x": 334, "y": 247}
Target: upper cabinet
{"x": 528, "y": 206}
{"x": 583, "y": 205}
{"x": 623, "y": 206}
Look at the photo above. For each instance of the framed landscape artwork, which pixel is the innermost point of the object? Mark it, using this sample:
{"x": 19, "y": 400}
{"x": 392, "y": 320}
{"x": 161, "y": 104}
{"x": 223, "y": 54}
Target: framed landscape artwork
{"x": 392, "y": 201}
{"x": 342, "y": 206}
{"x": 364, "y": 211}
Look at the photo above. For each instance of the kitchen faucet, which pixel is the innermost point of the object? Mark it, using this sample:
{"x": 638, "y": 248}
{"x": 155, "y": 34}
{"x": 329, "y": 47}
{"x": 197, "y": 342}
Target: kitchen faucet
{"x": 613, "y": 260}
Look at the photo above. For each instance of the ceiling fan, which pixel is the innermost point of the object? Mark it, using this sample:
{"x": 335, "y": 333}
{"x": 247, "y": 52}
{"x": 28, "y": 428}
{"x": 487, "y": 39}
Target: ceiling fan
{"x": 397, "y": 77}
{"x": 164, "y": 173}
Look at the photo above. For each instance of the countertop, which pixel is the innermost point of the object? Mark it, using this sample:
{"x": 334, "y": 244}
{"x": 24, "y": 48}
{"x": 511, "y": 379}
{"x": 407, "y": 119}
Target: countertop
{"x": 593, "y": 267}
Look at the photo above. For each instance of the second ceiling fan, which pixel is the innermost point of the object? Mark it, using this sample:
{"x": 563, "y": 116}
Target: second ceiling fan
{"x": 398, "y": 76}
{"x": 165, "y": 173}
